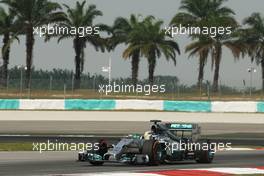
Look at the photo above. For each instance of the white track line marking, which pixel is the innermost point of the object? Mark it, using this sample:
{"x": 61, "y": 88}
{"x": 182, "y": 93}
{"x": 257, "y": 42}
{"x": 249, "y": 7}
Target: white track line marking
{"x": 235, "y": 170}
{"x": 115, "y": 174}
{"x": 241, "y": 149}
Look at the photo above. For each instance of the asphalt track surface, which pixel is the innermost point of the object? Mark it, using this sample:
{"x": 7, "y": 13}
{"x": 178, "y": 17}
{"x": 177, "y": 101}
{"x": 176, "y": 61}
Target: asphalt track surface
{"x": 236, "y": 142}
{"x": 88, "y": 122}
{"x": 57, "y": 163}
{"x": 61, "y": 122}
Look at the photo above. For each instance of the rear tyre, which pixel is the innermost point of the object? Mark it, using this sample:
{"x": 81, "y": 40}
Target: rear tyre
{"x": 205, "y": 157}
{"x": 152, "y": 148}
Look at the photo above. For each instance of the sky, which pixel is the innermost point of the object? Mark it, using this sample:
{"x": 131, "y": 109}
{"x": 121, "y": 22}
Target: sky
{"x": 53, "y": 55}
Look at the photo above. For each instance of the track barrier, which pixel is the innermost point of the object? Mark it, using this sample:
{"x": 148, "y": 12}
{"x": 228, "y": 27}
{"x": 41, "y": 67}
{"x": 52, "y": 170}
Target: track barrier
{"x": 158, "y": 105}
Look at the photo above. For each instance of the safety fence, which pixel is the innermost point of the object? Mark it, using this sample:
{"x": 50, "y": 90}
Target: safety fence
{"x": 158, "y": 105}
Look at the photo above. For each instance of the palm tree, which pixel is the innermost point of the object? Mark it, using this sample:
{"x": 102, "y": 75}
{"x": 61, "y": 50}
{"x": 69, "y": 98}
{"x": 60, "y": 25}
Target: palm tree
{"x": 199, "y": 14}
{"x": 127, "y": 31}
{"x": 253, "y": 37}
{"x": 200, "y": 48}
{"x": 193, "y": 14}
{"x": 154, "y": 42}
{"x": 215, "y": 44}
{"x": 81, "y": 17}
{"x": 7, "y": 29}
{"x": 31, "y": 14}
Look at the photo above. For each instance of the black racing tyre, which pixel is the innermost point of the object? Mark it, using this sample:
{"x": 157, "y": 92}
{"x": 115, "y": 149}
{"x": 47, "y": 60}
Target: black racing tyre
{"x": 153, "y": 150}
{"x": 81, "y": 157}
{"x": 204, "y": 157}
{"x": 103, "y": 148}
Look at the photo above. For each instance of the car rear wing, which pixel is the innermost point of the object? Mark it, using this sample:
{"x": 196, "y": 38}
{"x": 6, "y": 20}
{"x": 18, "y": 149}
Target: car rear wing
{"x": 194, "y": 128}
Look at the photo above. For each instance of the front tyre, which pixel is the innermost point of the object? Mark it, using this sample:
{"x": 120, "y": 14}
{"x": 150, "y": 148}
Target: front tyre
{"x": 82, "y": 157}
{"x": 103, "y": 149}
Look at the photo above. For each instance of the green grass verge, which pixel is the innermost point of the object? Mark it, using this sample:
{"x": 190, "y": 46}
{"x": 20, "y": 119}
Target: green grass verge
{"x": 23, "y": 146}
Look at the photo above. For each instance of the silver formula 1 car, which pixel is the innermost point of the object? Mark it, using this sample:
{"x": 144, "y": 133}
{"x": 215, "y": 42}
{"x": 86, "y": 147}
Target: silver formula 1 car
{"x": 164, "y": 143}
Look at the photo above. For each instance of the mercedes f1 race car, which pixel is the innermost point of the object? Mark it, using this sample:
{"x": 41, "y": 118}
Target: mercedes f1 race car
{"x": 164, "y": 143}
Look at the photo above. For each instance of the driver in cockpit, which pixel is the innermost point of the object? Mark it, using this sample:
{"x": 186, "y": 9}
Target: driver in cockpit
{"x": 148, "y": 134}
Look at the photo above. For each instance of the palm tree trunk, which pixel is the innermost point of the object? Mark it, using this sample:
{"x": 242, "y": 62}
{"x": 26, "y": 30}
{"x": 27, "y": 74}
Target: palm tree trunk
{"x": 217, "y": 55}
{"x": 78, "y": 50}
{"x": 201, "y": 72}
{"x": 6, "y": 58}
{"x": 152, "y": 65}
{"x": 135, "y": 65}
{"x": 262, "y": 67}
{"x": 29, "y": 45}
